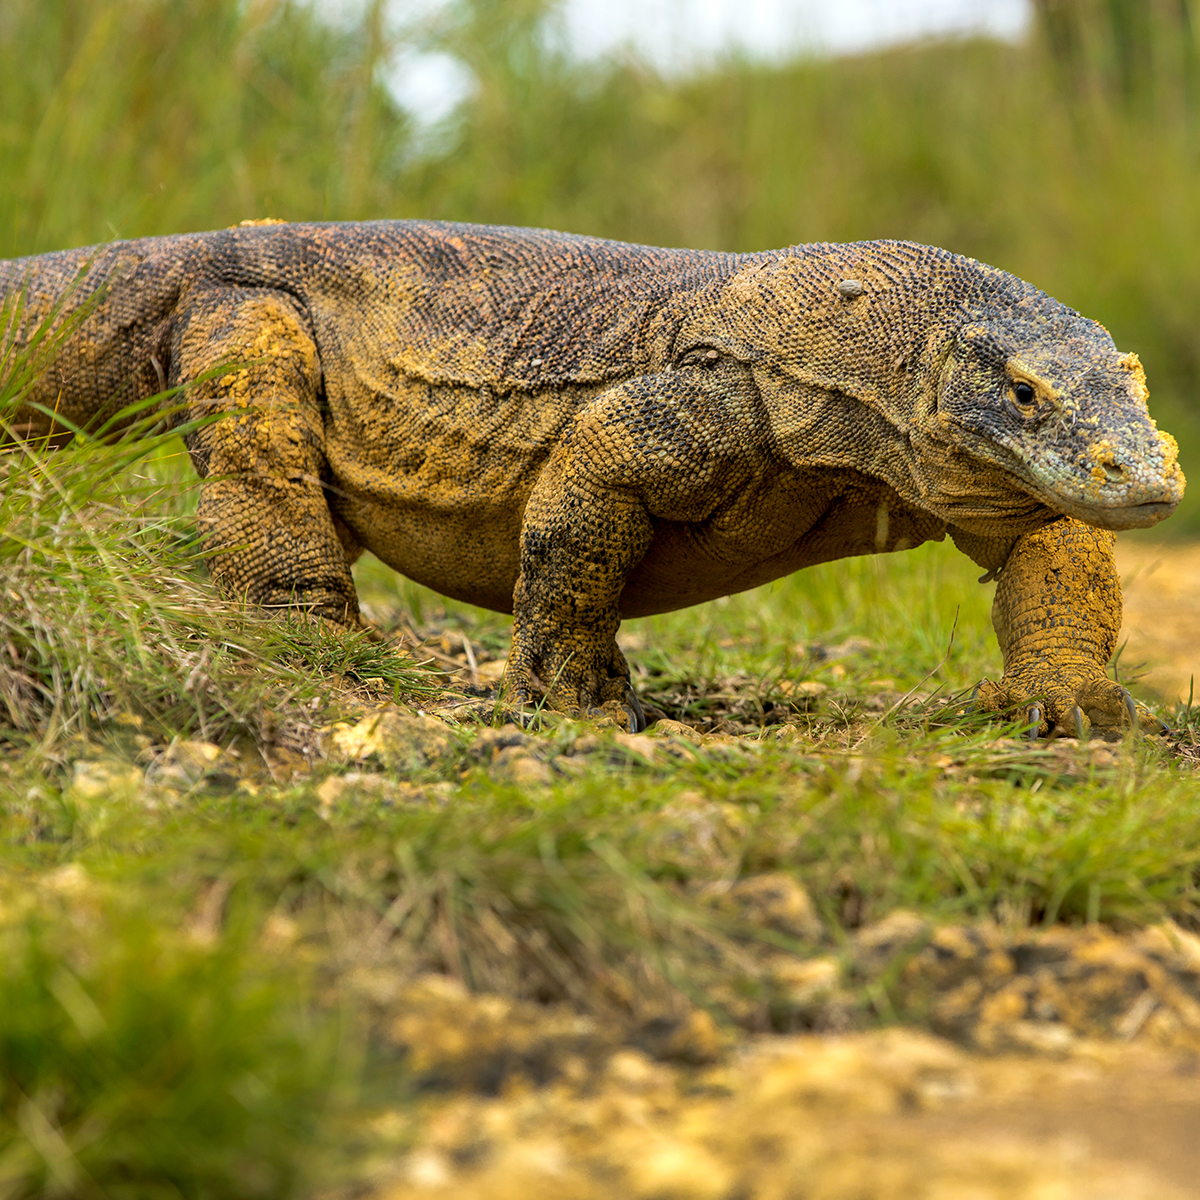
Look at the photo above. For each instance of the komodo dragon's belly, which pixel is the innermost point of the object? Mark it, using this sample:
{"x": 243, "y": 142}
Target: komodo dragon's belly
{"x": 769, "y": 531}
{"x": 434, "y": 480}
{"x": 436, "y": 487}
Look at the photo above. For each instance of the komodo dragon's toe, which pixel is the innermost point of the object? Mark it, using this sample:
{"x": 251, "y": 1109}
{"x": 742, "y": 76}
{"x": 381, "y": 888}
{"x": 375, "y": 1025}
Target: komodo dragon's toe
{"x": 1048, "y": 707}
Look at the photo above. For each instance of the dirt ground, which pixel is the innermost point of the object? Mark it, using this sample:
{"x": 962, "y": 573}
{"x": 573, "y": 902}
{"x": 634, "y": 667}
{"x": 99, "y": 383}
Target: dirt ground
{"x": 890, "y": 1115}
{"x": 1069, "y": 1069}
{"x": 1161, "y": 583}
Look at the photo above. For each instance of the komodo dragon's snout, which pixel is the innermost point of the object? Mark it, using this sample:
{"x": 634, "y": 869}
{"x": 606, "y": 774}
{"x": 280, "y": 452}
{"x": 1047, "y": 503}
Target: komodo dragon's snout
{"x": 1065, "y": 412}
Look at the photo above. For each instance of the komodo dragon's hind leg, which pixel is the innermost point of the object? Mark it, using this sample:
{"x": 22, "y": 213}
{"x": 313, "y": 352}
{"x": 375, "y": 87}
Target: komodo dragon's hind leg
{"x": 1057, "y": 614}
{"x": 263, "y": 516}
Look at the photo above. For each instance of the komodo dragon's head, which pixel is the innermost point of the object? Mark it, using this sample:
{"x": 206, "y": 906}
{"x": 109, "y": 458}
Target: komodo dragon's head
{"x": 1047, "y": 397}
{"x": 999, "y": 394}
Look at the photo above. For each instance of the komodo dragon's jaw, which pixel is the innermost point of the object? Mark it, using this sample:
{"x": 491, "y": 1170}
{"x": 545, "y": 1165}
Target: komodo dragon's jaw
{"x": 1053, "y": 403}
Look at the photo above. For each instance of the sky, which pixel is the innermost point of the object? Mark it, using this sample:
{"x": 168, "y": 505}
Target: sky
{"x": 676, "y": 35}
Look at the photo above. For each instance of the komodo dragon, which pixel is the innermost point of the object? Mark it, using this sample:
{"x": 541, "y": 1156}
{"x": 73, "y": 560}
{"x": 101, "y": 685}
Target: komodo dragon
{"x": 577, "y": 430}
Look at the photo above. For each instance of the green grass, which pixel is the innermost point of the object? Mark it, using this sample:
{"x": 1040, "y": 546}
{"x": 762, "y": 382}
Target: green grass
{"x": 134, "y": 1063}
{"x": 191, "y": 958}
{"x": 107, "y": 614}
{"x": 180, "y": 962}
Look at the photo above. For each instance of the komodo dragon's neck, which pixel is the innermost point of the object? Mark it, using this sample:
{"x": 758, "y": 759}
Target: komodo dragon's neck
{"x": 847, "y": 343}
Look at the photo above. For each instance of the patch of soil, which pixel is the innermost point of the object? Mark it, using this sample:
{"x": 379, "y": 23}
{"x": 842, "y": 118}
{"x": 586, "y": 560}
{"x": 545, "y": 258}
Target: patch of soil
{"x": 1070, "y": 1070}
{"x": 893, "y": 1114}
{"x": 1161, "y": 585}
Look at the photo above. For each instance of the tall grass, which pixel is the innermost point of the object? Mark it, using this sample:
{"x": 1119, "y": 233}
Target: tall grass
{"x": 135, "y": 1063}
{"x": 106, "y": 615}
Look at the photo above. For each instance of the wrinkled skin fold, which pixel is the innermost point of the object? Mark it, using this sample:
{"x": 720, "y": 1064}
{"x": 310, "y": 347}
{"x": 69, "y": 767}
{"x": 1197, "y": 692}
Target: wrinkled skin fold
{"x": 578, "y": 431}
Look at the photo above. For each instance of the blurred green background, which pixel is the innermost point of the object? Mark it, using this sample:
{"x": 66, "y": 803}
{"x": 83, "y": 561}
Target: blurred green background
{"x": 1071, "y": 158}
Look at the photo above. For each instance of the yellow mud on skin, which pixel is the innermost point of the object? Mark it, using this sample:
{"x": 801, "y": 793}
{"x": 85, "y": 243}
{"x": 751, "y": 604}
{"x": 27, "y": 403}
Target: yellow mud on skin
{"x": 1046, "y": 642}
{"x": 263, "y": 513}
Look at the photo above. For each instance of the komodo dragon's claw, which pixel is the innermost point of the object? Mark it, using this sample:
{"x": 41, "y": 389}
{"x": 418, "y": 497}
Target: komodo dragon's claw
{"x": 1139, "y": 716}
{"x": 1131, "y": 709}
{"x": 1034, "y": 716}
{"x": 636, "y": 712}
{"x": 630, "y": 708}
{"x": 1080, "y": 724}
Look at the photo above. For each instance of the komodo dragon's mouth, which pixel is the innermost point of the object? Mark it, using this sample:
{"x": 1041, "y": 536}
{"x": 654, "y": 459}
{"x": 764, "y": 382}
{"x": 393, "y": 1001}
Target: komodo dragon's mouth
{"x": 1129, "y": 516}
{"x": 1116, "y": 483}
{"x": 1150, "y": 496}
{"x": 1151, "y": 512}
{"x": 1141, "y": 486}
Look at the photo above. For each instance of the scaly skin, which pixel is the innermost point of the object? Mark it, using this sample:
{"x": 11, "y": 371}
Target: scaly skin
{"x": 576, "y": 430}
{"x": 1051, "y": 648}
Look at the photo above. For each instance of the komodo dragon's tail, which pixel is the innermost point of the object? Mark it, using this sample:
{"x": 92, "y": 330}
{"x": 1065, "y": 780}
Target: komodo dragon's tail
{"x": 84, "y": 333}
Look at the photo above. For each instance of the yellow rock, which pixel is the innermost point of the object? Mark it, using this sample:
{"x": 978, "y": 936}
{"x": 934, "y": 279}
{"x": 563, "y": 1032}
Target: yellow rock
{"x": 668, "y": 729}
{"x": 778, "y": 901}
{"x": 805, "y": 980}
{"x": 398, "y": 740}
{"x": 92, "y": 780}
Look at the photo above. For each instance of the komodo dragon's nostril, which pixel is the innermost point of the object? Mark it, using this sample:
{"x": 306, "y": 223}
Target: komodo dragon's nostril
{"x": 1114, "y": 472}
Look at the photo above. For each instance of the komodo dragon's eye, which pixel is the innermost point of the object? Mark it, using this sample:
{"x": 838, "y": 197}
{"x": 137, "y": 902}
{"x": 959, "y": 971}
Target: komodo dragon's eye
{"x": 1024, "y": 394}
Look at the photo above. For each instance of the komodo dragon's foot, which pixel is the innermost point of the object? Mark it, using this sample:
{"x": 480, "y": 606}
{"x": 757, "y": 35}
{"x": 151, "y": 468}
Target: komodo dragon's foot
{"x": 580, "y": 681}
{"x": 626, "y": 711}
{"x": 1049, "y": 707}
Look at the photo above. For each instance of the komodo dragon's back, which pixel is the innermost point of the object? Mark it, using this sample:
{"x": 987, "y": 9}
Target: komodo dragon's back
{"x": 479, "y": 306}
{"x": 574, "y": 429}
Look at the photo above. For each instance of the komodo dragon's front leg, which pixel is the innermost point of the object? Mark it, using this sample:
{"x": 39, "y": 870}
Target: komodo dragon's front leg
{"x": 582, "y": 536}
{"x": 1057, "y": 614}
{"x": 673, "y": 446}
{"x": 267, "y": 529}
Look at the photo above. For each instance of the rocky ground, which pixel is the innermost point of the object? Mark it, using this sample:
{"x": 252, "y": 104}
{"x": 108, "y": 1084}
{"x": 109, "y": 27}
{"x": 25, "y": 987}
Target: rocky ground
{"x": 1056, "y": 1065}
